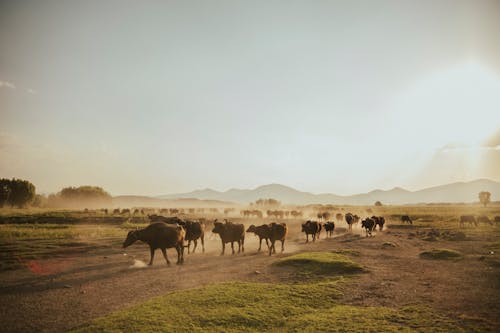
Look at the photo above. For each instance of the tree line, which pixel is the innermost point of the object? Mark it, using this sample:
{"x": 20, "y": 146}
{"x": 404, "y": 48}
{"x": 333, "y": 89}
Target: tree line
{"x": 21, "y": 193}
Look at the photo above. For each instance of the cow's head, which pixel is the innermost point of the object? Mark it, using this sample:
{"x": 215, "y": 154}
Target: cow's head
{"x": 218, "y": 227}
{"x": 251, "y": 228}
{"x": 132, "y": 237}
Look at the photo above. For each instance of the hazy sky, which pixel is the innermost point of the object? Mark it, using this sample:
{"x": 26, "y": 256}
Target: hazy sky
{"x": 156, "y": 97}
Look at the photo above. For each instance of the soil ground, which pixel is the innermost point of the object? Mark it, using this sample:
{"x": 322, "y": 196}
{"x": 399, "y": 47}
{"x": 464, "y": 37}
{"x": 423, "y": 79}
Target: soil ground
{"x": 54, "y": 295}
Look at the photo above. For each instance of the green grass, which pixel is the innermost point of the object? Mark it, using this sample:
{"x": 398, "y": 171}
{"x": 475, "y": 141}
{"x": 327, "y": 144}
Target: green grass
{"x": 314, "y": 264}
{"x": 259, "y": 307}
{"x": 441, "y": 254}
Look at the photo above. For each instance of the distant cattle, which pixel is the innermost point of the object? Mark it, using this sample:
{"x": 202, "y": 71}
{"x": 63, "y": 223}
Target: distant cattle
{"x": 379, "y": 221}
{"x": 136, "y": 211}
{"x": 229, "y": 233}
{"x": 116, "y": 211}
{"x": 168, "y": 220}
{"x": 484, "y": 219}
{"x": 349, "y": 219}
{"x": 329, "y": 227}
{"x": 470, "y": 219}
{"x": 339, "y": 217}
{"x": 194, "y": 230}
{"x": 368, "y": 224}
{"x": 159, "y": 236}
{"x": 405, "y": 219}
{"x": 311, "y": 228}
{"x": 125, "y": 211}
{"x": 263, "y": 232}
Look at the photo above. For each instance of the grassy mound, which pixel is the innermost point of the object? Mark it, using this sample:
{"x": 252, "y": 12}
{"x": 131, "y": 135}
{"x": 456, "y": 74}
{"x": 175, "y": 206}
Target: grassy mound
{"x": 256, "y": 307}
{"x": 388, "y": 245}
{"x": 441, "y": 254}
{"x": 320, "y": 263}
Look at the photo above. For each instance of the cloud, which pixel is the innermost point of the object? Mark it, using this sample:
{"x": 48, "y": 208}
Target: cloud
{"x": 7, "y": 84}
{"x": 32, "y": 91}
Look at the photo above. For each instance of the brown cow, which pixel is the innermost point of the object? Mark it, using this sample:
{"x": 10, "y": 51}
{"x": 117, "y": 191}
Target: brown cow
{"x": 159, "y": 236}
{"x": 467, "y": 219}
{"x": 229, "y": 233}
{"x": 484, "y": 219}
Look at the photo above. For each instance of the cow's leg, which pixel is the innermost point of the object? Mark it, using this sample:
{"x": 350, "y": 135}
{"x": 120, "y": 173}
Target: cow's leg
{"x": 223, "y": 248}
{"x": 203, "y": 243}
{"x": 180, "y": 255}
{"x": 243, "y": 245}
{"x": 260, "y": 243}
{"x": 267, "y": 243}
{"x": 271, "y": 248}
{"x": 232, "y": 246}
{"x": 152, "y": 255}
{"x": 307, "y": 238}
{"x": 164, "y": 251}
{"x": 282, "y": 245}
{"x": 181, "y": 248}
{"x": 189, "y": 244}
{"x": 195, "y": 245}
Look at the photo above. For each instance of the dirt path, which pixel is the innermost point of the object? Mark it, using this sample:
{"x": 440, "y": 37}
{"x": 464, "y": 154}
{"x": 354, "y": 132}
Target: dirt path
{"x": 83, "y": 287}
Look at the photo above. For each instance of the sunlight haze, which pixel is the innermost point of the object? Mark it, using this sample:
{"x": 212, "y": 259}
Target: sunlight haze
{"x": 162, "y": 97}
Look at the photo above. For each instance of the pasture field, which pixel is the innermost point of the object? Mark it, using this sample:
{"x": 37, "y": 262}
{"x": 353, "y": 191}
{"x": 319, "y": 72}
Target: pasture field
{"x": 66, "y": 271}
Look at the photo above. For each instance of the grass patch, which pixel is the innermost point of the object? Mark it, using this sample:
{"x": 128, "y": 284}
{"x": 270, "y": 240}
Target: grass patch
{"x": 441, "y": 254}
{"x": 388, "y": 245}
{"x": 256, "y": 307}
{"x": 320, "y": 263}
{"x": 22, "y": 242}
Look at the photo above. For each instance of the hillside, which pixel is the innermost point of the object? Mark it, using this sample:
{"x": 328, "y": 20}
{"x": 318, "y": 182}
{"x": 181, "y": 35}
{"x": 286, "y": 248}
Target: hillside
{"x": 449, "y": 193}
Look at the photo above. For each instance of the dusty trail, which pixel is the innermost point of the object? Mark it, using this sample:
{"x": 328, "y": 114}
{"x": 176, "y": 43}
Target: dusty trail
{"x": 89, "y": 285}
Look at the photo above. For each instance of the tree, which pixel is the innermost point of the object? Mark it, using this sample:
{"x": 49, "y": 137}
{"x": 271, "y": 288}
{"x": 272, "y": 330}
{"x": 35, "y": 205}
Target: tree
{"x": 16, "y": 192}
{"x": 484, "y": 197}
{"x": 378, "y": 203}
{"x": 80, "y": 197}
{"x": 5, "y": 191}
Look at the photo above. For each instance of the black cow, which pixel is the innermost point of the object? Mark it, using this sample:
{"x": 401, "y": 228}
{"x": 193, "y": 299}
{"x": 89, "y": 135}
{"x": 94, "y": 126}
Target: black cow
{"x": 368, "y": 224}
{"x": 194, "y": 230}
{"x": 278, "y": 233}
{"x": 406, "y": 218}
{"x": 349, "y": 219}
{"x": 263, "y": 232}
{"x": 311, "y": 228}
{"x": 329, "y": 227}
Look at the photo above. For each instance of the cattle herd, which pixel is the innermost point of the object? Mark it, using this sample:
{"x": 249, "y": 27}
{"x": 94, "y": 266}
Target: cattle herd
{"x": 172, "y": 232}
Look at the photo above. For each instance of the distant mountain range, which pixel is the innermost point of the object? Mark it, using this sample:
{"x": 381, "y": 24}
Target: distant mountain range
{"x": 450, "y": 193}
